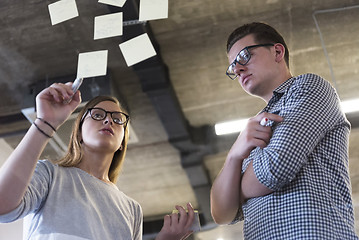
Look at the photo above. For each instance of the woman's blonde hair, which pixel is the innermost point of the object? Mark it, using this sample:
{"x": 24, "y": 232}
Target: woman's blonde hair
{"x": 74, "y": 152}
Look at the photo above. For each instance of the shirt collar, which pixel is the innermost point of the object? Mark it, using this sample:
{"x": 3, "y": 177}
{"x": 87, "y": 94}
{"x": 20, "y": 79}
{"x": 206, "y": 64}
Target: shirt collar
{"x": 284, "y": 86}
{"x": 280, "y": 90}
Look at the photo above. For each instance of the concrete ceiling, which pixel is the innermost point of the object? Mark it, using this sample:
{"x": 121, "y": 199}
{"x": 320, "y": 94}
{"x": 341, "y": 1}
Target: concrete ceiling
{"x": 175, "y": 98}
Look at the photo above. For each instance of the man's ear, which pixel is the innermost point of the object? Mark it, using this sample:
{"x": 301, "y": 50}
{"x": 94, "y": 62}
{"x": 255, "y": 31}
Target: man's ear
{"x": 279, "y": 52}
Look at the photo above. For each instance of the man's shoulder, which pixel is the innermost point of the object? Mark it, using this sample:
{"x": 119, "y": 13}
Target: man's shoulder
{"x": 310, "y": 79}
{"x": 311, "y": 82}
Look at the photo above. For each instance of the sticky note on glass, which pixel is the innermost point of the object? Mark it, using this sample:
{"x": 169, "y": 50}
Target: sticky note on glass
{"x": 153, "y": 9}
{"x": 137, "y": 49}
{"x": 92, "y": 64}
{"x": 109, "y": 25}
{"x": 117, "y": 3}
{"x": 62, "y": 11}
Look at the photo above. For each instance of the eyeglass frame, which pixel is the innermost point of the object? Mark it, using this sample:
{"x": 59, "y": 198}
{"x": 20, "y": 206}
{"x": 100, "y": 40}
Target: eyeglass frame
{"x": 250, "y": 56}
{"x": 106, "y": 112}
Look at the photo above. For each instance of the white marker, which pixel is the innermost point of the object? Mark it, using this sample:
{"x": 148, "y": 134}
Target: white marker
{"x": 264, "y": 121}
{"x": 76, "y": 84}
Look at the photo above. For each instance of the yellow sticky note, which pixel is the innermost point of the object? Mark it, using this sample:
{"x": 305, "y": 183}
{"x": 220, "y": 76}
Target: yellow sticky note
{"x": 196, "y": 225}
{"x": 117, "y": 3}
{"x": 109, "y": 25}
{"x": 92, "y": 64}
{"x": 137, "y": 49}
{"x": 153, "y": 9}
{"x": 63, "y": 10}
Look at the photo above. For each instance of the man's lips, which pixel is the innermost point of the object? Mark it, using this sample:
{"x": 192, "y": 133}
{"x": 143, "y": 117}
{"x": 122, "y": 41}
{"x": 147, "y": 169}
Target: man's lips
{"x": 245, "y": 78}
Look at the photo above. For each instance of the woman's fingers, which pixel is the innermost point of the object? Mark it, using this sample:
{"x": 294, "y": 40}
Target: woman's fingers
{"x": 190, "y": 216}
{"x": 182, "y": 215}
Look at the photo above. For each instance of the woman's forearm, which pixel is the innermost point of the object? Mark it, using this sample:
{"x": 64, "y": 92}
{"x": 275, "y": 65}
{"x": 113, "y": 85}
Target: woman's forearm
{"x": 16, "y": 172}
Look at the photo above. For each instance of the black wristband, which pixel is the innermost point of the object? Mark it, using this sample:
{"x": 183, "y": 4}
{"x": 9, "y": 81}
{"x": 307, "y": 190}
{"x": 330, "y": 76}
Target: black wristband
{"x": 47, "y": 123}
{"x": 40, "y": 130}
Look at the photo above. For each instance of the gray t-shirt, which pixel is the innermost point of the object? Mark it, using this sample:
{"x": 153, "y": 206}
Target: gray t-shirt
{"x": 68, "y": 203}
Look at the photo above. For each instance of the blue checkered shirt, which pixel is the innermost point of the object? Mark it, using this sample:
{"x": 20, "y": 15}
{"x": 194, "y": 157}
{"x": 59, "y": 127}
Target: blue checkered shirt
{"x": 306, "y": 166}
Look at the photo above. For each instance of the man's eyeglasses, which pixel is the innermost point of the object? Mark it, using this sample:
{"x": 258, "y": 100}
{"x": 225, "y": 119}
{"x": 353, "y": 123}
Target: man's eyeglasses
{"x": 243, "y": 58}
{"x": 99, "y": 114}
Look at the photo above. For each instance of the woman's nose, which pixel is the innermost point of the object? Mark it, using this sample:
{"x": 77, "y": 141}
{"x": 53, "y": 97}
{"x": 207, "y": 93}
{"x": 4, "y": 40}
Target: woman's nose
{"x": 108, "y": 119}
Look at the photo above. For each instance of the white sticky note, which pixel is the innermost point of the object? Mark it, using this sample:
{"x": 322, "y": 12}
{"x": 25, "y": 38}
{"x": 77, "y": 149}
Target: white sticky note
{"x": 153, "y": 9}
{"x": 92, "y": 64}
{"x": 117, "y": 3}
{"x": 137, "y": 49}
{"x": 63, "y": 10}
{"x": 109, "y": 25}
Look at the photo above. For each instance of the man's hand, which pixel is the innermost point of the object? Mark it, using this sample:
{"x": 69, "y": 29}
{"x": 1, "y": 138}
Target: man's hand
{"x": 254, "y": 135}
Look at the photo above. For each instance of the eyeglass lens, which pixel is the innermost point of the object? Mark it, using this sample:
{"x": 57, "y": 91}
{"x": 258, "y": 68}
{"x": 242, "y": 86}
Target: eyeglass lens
{"x": 242, "y": 58}
{"x": 100, "y": 114}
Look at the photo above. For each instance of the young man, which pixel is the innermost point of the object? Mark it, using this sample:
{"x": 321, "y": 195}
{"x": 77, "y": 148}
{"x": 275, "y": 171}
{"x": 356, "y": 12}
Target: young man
{"x": 287, "y": 179}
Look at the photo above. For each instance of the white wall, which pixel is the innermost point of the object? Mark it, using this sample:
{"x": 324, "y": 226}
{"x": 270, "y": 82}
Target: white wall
{"x": 9, "y": 231}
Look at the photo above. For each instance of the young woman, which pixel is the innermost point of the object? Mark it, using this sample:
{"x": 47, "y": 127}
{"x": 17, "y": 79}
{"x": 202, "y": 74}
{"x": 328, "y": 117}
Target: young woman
{"x": 75, "y": 197}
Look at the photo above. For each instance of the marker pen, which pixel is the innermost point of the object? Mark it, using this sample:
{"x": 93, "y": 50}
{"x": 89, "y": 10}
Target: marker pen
{"x": 75, "y": 86}
{"x": 264, "y": 121}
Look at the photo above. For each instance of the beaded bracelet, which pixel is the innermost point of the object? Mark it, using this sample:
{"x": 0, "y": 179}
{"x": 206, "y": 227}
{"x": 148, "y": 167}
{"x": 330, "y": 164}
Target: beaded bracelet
{"x": 47, "y": 135}
{"x": 47, "y": 123}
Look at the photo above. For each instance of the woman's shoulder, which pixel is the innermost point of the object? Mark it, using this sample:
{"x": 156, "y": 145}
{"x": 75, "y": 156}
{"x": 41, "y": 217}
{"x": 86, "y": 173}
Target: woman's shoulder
{"x": 129, "y": 201}
{"x": 45, "y": 165}
{"x": 128, "y": 198}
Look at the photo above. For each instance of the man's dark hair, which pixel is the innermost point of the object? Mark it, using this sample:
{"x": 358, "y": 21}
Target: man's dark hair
{"x": 262, "y": 33}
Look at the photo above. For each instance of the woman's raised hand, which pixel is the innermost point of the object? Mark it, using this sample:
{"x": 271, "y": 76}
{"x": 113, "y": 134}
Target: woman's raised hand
{"x": 56, "y": 103}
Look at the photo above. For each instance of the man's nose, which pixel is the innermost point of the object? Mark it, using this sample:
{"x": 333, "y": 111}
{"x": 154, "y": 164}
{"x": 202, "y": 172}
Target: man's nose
{"x": 238, "y": 68}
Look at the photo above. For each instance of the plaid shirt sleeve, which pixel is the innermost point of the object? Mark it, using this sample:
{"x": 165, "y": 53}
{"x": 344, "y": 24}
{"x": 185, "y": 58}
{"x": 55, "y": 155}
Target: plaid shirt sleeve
{"x": 306, "y": 166}
{"x": 310, "y": 109}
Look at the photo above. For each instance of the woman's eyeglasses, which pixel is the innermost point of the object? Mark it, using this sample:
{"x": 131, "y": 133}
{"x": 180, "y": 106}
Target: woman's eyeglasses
{"x": 99, "y": 114}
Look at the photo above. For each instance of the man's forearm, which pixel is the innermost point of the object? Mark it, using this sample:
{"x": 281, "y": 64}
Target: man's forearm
{"x": 225, "y": 192}
{"x": 250, "y": 185}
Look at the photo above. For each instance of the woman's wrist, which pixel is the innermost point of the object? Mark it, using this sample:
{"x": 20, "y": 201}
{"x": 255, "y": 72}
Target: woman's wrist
{"x": 47, "y": 123}
{"x": 44, "y": 127}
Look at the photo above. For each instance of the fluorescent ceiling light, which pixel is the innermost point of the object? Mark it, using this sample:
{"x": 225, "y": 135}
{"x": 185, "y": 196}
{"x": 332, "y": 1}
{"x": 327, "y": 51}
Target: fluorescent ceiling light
{"x": 230, "y": 127}
{"x": 349, "y": 106}
{"x": 235, "y": 126}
